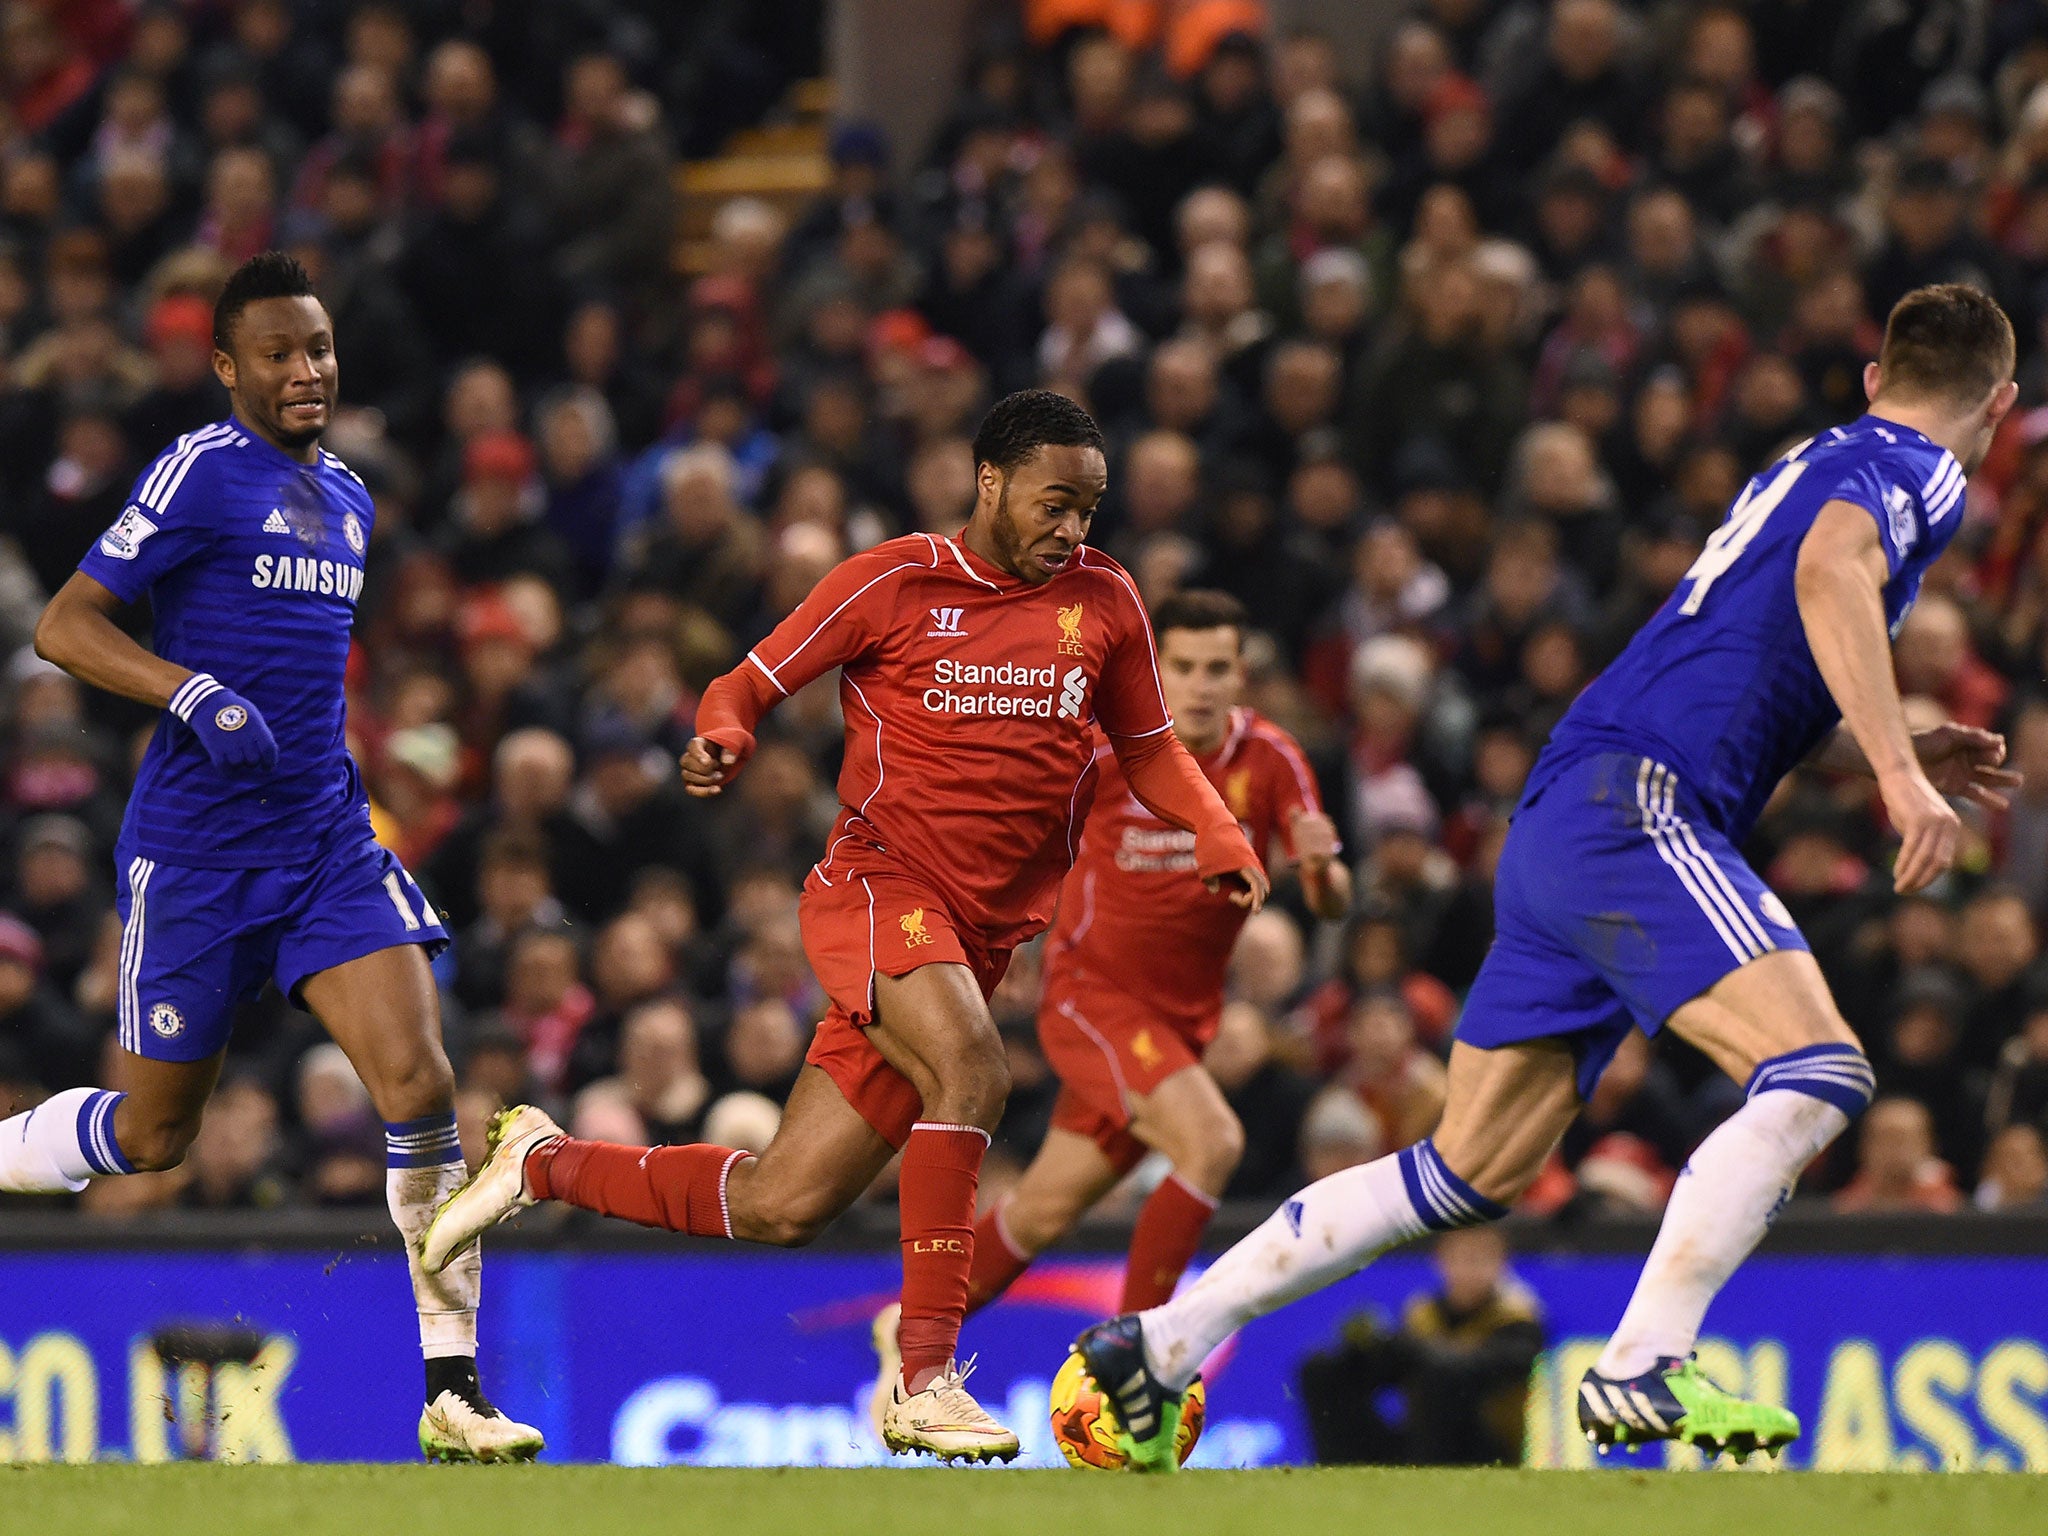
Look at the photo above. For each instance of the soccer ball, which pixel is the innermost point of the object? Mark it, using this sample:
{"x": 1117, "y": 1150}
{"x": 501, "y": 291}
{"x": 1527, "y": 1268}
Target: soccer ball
{"x": 1084, "y": 1420}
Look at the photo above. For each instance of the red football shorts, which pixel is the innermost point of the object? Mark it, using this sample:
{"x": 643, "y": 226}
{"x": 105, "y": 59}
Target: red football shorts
{"x": 1105, "y": 1045}
{"x": 855, "y": 929}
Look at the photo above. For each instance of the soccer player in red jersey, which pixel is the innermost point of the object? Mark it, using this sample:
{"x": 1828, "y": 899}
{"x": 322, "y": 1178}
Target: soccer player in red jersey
{"x": 975, "y": 673}
{"x": 1134, "y": 974}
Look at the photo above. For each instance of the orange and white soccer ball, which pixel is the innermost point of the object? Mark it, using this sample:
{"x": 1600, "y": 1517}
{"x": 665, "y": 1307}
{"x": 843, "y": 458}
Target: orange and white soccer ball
{"x": 1084, "y": 1420}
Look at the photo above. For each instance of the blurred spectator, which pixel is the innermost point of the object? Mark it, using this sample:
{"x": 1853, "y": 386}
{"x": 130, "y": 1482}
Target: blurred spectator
{"x": 1339, "y": 1132}
{"x": 658, "y": 1075}
{"x": 1459, "y": 1361}
{"x": 1897, "y": 1170}
{"x": 39, "y": 1030}
{"x": 232, "y": 1163}
{"x": 341, "y": 1139}
{"x": 1268, "y": 1097}
{"x": 1401, "y": 1084}
{"x": 608, "y": 188}
{"x": 2015, "y": 1171}
{"x": 56, "y": 885}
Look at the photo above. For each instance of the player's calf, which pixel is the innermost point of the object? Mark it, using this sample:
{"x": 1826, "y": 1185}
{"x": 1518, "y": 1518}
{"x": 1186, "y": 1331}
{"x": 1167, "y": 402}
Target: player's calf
{"x": 151, "y": 1137}
{"x": 763, "y": 1207}
{"x": 1731, "y": 1189}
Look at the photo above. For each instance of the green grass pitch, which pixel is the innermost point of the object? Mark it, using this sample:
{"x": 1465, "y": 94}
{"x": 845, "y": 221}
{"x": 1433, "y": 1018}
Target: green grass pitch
{"x": 571, "y": 1501}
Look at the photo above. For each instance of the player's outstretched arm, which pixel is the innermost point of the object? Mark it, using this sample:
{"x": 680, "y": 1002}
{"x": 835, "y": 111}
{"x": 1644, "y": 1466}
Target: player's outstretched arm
{"x": 1169, "y": 784}
{"x": 1963, "y": 760}
{"x": 732, "y": 706}
{"x": 839, "y": 620}
{"x": 77, "y": 632}
{"x": 1325, "y": 878}
{"x": 1840, "y": 589}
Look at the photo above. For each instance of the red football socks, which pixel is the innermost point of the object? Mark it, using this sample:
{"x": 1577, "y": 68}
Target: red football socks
{"x": 1169, "y": 1230}
{"x": 997, "y": 1263}
{"x": 680, "y": 1188}
{"x": 935, "y": 1191}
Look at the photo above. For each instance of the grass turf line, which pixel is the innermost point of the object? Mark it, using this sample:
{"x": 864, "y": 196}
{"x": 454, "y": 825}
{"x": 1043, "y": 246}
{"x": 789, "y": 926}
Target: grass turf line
{"x": 569, "y": 1501}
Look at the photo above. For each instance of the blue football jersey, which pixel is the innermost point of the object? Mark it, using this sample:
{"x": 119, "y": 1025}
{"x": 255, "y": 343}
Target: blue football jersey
{"x": 1720, "y": 685}
{"x": 253, "y": 563}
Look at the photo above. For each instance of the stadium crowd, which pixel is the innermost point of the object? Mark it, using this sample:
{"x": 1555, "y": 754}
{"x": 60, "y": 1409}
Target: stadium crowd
{"x": 1445, "y": 361}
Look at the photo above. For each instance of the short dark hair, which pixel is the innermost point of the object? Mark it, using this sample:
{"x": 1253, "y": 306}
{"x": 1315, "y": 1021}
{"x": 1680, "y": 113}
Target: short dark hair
{"x": 1200, "y": 608}
{"x": 269, "y": 275}
{"x": 1949, "y": 341}
{"x": 1018, "y": 425}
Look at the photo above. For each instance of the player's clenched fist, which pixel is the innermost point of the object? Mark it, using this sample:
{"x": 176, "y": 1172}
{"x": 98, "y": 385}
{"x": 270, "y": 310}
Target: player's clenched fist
{"x": 708, "y": 766}
{"x": 230, "y": 728}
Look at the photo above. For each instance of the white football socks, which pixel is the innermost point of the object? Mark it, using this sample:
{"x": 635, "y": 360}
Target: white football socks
{"x": 1333, "y": 1228}
{"x": 426, "y": 1167}
{"x": 1732, "y": 1187}
{"x": 62, "y": 1143}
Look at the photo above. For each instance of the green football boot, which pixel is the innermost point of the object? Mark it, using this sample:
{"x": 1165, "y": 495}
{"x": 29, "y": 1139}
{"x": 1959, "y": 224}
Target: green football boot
{"x": 1675, "y": 1400}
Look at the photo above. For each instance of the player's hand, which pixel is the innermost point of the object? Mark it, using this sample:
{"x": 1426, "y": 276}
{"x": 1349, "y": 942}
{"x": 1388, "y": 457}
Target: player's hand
{"x": 707, "y": 766}
{"x": 1314, "y": 837}
{"x": 1324, "y": 880}
{"x": 1248, "y": 886}
{"x": 232, "y": 730}
{"x": 1964, "y": 761}
{"x": 1927, "y": 825}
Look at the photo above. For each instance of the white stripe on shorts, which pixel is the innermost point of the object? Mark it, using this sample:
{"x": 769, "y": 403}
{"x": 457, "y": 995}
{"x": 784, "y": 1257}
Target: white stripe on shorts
{"x": 126, "y": 1005}
{"x": 1653, "y": 798}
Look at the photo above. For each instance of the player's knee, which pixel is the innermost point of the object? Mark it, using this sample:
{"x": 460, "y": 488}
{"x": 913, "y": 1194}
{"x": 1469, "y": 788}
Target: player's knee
{"x": 1834, "y": 1073}
{"x": 1210, "y": 1147}
{"x": 422, "y": 1084}
{"x": 1224, "y": 1145}
{"x": 972, "y": 1084}
{"x": 1034, "y": 1219}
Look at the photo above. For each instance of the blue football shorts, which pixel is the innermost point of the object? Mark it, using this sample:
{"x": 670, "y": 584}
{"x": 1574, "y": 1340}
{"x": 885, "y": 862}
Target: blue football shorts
{"x": 196, "y": 943}
{"x": 1615, "y": 904}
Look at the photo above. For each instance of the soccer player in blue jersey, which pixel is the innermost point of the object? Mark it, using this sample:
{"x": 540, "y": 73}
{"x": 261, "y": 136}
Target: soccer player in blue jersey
{"x": 1623, "y": 902}
{"x": 246, "y": 850}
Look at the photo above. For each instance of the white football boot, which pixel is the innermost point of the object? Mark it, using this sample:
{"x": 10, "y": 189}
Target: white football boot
{"x": 493, "y": 1192}
{"x": 945, "y": 1421}
{"x": 454, "y": 1429}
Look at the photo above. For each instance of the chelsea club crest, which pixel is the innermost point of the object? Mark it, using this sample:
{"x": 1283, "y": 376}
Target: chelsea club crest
{"x": 165, "y": 1019}
{"x": 352, "y": 530}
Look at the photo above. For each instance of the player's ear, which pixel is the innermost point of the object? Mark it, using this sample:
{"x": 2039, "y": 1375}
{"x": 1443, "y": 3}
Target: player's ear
{"x": 2002, "y": 401}
{"x": 224, "y": 369}
{"x": 988, "y": 482}
{"x": 1871, "y": 375}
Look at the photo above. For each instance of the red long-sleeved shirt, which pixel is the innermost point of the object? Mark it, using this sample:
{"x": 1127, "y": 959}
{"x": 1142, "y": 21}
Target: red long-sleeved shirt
{"x": 1132, "y": 911}
{"x": 971, "y": 698}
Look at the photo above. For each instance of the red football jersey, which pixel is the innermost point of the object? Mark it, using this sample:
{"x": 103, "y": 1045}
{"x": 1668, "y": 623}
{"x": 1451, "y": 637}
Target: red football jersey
{"x": 1133, "y": 911}
{"x": 972, "y": 700}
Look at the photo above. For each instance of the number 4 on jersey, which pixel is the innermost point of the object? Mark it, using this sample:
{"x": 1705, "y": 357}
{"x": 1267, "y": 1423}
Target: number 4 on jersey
{"x": 1745, "y": 522}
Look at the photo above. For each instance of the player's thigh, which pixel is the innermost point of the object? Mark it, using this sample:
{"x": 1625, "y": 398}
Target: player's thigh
{"x": 1504, "y": 1111}
{"x": 1069, "y": 1173}
{"x": 822, "y": 1158}
{"x": 1774, "y": 1004}
{"x": 1186, "y": 1117}
{"x": 933, "y": 1025}
{"x": 382, "y": 1010}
